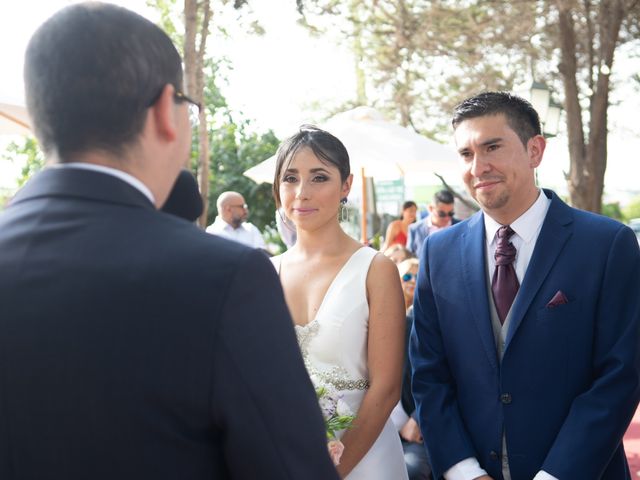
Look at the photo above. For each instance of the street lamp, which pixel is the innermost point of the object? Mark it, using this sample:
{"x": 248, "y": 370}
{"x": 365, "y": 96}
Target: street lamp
{"x": 539, "y": 95}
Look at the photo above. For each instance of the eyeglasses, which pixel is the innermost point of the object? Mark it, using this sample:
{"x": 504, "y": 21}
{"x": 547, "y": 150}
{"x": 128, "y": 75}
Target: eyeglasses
{"x": 442, "y": 214}
{"x": 409, "y": 276}
{"x": 194, "y": 107}
{"x": 244, "y": 206}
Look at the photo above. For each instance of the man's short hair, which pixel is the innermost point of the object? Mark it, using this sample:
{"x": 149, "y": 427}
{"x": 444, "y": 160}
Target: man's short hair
{"x": 443, "y": 196}
{"x": 520, "y": 114}
{"x": 91, "y": 72}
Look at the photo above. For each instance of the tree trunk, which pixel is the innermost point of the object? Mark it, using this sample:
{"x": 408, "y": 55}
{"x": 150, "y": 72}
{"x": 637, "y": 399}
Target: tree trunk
{"x": 578, "y": 172}
{"x": 609, "y": 23}
{"x": 194, "y": 73}
{"x": 588, "y": 161}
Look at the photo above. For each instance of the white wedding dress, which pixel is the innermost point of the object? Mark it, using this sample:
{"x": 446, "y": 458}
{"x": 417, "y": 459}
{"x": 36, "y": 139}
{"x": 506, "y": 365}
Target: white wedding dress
{"x": 334, "y": 348}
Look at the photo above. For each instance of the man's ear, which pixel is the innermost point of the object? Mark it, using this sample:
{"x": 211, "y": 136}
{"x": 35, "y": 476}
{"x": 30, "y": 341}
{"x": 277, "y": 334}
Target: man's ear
{"x": 164, "y": 114}
{"x": 535, "y": 149}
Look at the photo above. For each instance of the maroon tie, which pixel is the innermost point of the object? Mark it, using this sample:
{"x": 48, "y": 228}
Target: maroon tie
{"x": 504, "y": 284}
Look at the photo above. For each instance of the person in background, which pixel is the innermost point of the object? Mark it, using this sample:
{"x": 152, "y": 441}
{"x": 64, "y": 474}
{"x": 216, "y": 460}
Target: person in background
{"x": 231, "y": 222}
{"x": 397, "y": 253}
{"x": 525, "y": 347}
{"x": 397, "y": 230}
{"x": 184, "y": 200}
{"x": 440, "y": 216}
{"x": 404, "y": 415}
{"x": 132, "y": 344}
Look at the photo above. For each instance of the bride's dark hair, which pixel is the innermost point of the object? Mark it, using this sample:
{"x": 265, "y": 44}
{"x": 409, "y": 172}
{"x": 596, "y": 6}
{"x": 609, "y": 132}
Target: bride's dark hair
{"x": 325, "y": 146}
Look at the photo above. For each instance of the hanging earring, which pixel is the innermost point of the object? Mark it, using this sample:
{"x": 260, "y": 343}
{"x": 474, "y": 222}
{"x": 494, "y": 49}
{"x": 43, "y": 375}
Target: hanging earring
{"x": 344, "y": 211}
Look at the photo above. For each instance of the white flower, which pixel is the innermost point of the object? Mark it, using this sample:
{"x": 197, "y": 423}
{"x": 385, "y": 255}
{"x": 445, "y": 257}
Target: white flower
{"x": 343, "y": 409}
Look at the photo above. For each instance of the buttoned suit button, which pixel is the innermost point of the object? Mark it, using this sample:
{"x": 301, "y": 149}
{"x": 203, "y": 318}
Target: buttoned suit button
{"x": 505, "y": 398}
{"x": 493, "y": 455}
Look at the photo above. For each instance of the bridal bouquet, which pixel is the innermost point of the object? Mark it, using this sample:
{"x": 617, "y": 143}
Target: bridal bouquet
{"x": 337, "y": 416}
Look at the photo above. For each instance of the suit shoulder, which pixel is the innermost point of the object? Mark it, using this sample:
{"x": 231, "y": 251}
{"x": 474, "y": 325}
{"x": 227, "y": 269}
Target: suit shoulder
{"x": 452, "y": 232}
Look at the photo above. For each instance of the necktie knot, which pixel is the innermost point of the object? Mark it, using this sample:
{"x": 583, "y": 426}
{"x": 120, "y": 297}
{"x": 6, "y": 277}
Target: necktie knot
{"x": 504, "y": 284}
{"x": 505, "y": 251}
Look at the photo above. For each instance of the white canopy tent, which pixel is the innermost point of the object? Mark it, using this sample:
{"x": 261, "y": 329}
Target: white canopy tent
{"x": 14, "y": 120}
{"x": 380, "y": 149}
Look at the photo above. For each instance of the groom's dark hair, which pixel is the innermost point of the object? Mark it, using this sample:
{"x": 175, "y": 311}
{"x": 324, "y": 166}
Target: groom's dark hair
{"x": 520, "y": 114}
{"x": 91, "y": 72}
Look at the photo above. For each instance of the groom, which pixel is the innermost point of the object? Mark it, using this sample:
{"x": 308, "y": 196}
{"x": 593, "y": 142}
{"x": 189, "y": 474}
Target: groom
{"x": 525, "y": 346}
{"x": 132, "y": 344}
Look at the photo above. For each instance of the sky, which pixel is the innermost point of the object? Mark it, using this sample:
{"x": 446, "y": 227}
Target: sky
{"x": 286, "y": 78}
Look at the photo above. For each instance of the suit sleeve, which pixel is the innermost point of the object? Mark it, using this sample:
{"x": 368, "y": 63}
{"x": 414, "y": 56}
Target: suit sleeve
{"x": 433, "y": 386}
{"x": 598, "y": 418}
{"x": 263, "y": 401}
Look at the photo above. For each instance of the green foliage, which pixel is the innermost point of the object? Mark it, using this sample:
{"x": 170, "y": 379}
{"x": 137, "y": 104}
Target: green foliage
{"x": 170, "y": 10}
{"x": 612, "y": 210}
{"x": 234, "y": 149}
{"x": 28, "y": 154}
{"x": 632, "y": 210}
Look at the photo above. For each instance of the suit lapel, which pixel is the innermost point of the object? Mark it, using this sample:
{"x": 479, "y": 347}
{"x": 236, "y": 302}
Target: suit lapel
{"x": 474, "y": 271}
{"x": 555, "y": 232}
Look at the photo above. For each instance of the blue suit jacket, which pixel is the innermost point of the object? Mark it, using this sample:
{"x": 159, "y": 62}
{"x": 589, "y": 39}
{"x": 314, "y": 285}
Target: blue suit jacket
{"x": 417, "y": 234}
{"x": 568, "y": 384}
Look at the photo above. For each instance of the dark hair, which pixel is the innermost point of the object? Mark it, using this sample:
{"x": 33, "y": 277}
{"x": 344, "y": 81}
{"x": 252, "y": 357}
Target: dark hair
{"x": 443, "y": 196}
{"x": 520, "y": 114}
{"x": 325, "y": 146}
{"x": 184, "y": 201}
{"x": 408, "y": 204}
{"x": 91, "y": 72}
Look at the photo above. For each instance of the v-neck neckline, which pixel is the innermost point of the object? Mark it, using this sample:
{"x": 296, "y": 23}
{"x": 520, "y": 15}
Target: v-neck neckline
{"x": 326, "y": 294}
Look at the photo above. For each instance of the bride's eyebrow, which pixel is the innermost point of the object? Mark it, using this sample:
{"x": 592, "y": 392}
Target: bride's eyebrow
{"x": 319, "y": 170}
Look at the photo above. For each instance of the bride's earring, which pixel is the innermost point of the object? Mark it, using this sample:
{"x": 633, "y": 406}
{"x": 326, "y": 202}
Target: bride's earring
{"x": 344, "y": 211}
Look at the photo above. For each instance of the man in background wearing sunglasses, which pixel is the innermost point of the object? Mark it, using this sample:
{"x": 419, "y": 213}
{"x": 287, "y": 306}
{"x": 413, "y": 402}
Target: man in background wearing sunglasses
{"x": 440, "y": 216}
{"x": 132, "y": 344}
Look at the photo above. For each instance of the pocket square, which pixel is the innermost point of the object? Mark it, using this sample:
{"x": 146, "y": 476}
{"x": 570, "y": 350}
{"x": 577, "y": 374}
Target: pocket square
{"x": 558, "y": 299}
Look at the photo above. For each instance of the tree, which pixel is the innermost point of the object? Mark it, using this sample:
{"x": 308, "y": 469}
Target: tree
{"x": 235, "y": 149}
{"x": 434, "y": 53}
{"x": 28, "y": 154}
{"x": 588, "y": 34}
{"x": 194, "y": 72}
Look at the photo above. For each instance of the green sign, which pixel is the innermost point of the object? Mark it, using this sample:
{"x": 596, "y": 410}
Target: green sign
{"x": 390, "y": 191}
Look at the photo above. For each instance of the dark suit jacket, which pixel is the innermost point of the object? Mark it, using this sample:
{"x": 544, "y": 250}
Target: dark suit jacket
{"x": 135, "y": 346}
{"x": 568, "y": 384}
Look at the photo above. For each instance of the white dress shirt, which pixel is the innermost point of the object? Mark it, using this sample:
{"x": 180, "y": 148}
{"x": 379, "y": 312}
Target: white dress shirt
{"x": 114, "y": 172}
{"x": 527, "y": 228}
{"x": 247, "y": 233}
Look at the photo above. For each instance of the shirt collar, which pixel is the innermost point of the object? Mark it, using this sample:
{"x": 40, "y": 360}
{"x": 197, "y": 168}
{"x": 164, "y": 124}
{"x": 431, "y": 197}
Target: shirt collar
{"x": 114, "y": 172}
{"x": 526, "y": 225}
{"x": 221, "y": 223}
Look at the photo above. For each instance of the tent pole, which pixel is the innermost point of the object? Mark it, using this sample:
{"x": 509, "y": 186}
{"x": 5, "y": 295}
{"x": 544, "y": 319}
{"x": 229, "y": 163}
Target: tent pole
{"x": 364, "y": 208}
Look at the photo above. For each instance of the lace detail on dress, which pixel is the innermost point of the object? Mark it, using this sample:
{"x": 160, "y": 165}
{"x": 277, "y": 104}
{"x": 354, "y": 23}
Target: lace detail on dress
{"x": 336, "y": 376}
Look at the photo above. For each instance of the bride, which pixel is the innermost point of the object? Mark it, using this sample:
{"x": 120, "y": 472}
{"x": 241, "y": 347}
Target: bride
{"x": 345, "y": 300}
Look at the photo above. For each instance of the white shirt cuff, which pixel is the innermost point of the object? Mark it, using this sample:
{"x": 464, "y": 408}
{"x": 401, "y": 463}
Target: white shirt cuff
{"x": 542, "y": 475}
{"x": 467, "y": 469}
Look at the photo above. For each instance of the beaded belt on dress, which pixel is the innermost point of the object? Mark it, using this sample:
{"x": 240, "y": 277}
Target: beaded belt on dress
{"x": 336, "y": 376}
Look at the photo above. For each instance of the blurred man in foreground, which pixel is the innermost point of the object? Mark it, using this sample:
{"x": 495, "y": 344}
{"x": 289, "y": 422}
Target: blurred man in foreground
{"x": 132, "y": 344}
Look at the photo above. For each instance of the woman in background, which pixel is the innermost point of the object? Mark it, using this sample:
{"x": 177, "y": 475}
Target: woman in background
{"x": 397, "y": 230}
{"x": 345, "y": 300}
